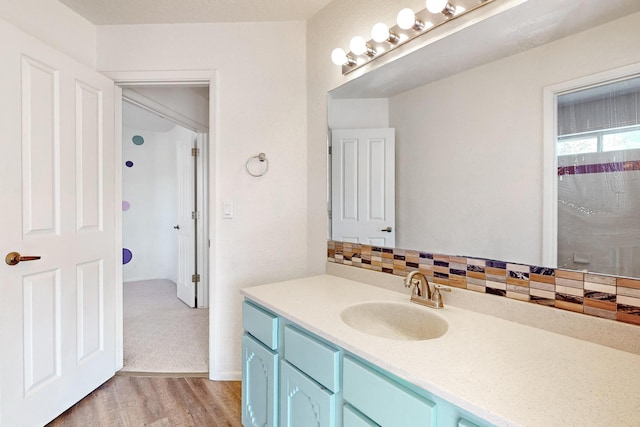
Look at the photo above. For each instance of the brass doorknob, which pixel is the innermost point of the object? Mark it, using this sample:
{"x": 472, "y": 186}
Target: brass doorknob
{"x": 14, "y": 258}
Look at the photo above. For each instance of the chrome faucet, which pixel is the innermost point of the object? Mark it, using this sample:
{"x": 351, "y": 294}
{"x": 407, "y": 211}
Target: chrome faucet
{"x": 422, "y": 292}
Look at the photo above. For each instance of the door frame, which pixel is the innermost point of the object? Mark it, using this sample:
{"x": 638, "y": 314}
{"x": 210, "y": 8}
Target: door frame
{"x": 206, "y": 228}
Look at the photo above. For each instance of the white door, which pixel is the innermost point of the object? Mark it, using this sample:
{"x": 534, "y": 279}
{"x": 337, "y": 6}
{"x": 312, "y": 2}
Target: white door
{"x": 363, "y": 186}
{"x": 57, "y": 314}
{"x": 186, "y": 288}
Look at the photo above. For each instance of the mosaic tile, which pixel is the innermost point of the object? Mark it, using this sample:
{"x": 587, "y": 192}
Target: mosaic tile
{"x": 494, "y": 291}
{"x": 565, "y": 305}
{"x": 496, "y": 264}
{"x": 594, "y": 311}
{"x": 495, "y": 271}
{"x": 495, "y": 285}
{"x": 475, "y": 287}
{"x": 542, "y": 271}
{"x": 599, "y": 287}
{"x": 597, "y": 278}
{"x": 628, "y": 283}
{"x": 517, "y": 295}
{"x": 458, "y": 281}
{"x": 476, "y": 262}
{"x": 458, "y": 266}
{"x": 567, "y": 290}
{"x": 572, "y": 275}
{"x": 600, "y": 304}
{"x": 629, "y": 292}
{"x": 628, "y": 301}
{"x": 542, "y": 286}
{"x": 495, "y": 278}
{"x": 569, "y": 283}
{"x": 569, "y": 298}
{"x": 610, "y": 297}
{"x": 518, "y": 282}
{"x": 542, "y": 293}
{"x": 518, "y": 268}
{"x": 540, "y": 278}
{"x": 542, "y": 301}
{"x": 476, "y": 282}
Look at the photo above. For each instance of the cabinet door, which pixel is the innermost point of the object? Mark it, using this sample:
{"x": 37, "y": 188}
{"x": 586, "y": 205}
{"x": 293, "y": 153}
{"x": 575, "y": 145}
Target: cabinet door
{"x": 303, "y": 402}
{"x": 259, "y": 384}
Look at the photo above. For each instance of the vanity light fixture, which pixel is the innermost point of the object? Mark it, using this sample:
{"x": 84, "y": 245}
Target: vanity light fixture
{"x": 380, "y": 33}
{"x": 441, "y": 6}
{"x": 407, "y": 20}
{"x": 409, "y": 26}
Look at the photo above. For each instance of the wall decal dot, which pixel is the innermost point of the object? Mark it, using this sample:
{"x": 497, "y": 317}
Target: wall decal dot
{"x": 126, "y": 256}
{"x": 138, "y": 140}
{"x": 129, "y": 163}
{"x": 125, "y": 205}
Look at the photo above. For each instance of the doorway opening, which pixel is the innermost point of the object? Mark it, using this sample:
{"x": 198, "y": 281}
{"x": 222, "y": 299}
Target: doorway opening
{"x": 164, "y": 143}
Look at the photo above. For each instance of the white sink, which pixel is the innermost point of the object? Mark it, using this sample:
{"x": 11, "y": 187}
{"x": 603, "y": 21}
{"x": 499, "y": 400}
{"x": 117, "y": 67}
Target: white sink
{"x": 395, "y": 320}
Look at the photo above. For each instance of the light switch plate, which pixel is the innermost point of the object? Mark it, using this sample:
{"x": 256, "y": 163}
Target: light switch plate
{"x": 227, "y": 210}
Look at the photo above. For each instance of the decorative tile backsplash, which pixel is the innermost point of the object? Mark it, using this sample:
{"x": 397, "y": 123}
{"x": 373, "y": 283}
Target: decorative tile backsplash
{"x": 610, "y": 297}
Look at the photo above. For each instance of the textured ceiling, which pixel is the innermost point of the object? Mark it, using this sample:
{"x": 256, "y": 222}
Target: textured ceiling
{"x": 112, "y": 12}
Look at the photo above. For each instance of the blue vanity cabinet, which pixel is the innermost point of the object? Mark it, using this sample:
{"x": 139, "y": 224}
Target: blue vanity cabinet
{"x": 293, "y": 378}
{"x": 259, "y": 367}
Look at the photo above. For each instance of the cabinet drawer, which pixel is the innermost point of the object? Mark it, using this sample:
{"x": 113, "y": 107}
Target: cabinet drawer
{"x": 352, "y": 418}
{"x": 260, "y": 324}
{"x": 314, "y": 358}
{"x": 382, "y": 400}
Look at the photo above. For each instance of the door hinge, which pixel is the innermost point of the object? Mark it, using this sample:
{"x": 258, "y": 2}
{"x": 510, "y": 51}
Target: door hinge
{"x": 195, "y": 152}
{"x": 195, "y": 278}
{"x": 330, "y": 150}
{"x": 195, "y": 215}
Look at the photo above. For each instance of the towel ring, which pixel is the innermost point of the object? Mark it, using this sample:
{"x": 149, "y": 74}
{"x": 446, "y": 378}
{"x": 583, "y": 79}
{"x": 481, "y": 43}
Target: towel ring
{"x": 262, "y": 158}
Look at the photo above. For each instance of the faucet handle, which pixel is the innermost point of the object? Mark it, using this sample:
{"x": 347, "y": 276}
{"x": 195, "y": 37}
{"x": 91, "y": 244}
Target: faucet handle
{"x": 436, "y": 297}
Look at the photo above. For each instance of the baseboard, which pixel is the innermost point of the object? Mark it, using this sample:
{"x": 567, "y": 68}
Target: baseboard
{"x": 163, "y": 374}
{"x": 225, "y": 376}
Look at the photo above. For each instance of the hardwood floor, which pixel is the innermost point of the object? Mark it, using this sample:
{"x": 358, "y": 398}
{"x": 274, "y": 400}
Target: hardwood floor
{"x": 154, "y": 401}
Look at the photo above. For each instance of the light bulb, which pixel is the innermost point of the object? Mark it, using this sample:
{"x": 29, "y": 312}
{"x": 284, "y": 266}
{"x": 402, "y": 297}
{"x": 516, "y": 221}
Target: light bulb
{"x": 358, "y": 45}
{"x": 436, "y": 6}
{"x": 407, "y": 19}
{"x": 339, "y": 57}
{"x": 380, "y": 32}
{"x": 440, "y": 6}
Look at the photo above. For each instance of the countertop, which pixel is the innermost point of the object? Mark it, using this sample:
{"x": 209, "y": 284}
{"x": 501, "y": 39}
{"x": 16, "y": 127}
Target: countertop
{"x": 506, "y": 373}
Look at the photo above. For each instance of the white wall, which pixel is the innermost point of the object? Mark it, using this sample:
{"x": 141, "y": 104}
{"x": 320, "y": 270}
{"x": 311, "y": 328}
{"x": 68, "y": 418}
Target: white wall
{"x": 55, "y": 24}
{"x": 358, "y": 113}
{"x": 261, "y": 107}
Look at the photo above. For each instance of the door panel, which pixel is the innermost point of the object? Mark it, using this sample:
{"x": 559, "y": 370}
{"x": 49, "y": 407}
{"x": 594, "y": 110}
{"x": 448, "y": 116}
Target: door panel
{"x": 363, "y": 186}
{"x": 57, "y": 314}
{"x": 186, "y": 232}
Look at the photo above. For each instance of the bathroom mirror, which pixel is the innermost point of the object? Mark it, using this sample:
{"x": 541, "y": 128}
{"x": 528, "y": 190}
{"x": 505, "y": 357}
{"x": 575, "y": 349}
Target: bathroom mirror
{"x": 469, "y": 123}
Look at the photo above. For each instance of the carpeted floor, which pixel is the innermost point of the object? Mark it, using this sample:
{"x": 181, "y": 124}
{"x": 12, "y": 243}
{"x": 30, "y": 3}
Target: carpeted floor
{"x": 162, "y": 334}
